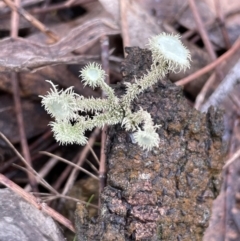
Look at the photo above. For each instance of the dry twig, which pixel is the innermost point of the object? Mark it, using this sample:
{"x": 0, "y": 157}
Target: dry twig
{"x": 105, "y": 64}
{"x": 32, "y": 20}
{"x": 29, "y": 167}
{"x": 35, "y": 202}
{"x": 235, "y": 156}
{"x": 18, "y": 105}
{"x": 70, "y": 163}
{"x": 222, "y": 26}
{"x": 203, "y": 33}
{"x": 224, "y": 88}
{"x": 202, "y": 30}
{"x": 82, "y": 157}
{"x": 201, "y": 96}
{"x": 211, "y": 66}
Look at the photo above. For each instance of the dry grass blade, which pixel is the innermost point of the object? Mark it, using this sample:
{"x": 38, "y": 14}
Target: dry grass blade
{"x": 92, "y": 166}
{"x": 25, "y": 55}
{"x": 93, "y": 153}
{"x": 232, "y": 159}
{"x": 70, "y": 163}
{"x": 211, "y": 66}
{"x": 33, "y": 200}
{"x": 225, "y": 88}
{"x": 29, "y": 167}
{"x": 51, "y": 197}
{"x": 41, "y": 180}
{"x": 32, "y": 20}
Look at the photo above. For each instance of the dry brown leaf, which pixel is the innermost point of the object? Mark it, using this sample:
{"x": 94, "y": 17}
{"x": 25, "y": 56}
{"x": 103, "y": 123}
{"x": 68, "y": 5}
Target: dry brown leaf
{"x": 113, "y": 8}
{"x": 33, "y": 85}
{"x": 225, "y": 220}
{"x": 186, "y": 19}
{"x": 232, "y": 24}
{"x": 24, "y": 55}
{"x": 24, "y": 3}
{"x": 5, "y": 23}
{"x": 226, "y": 6}
{"x": 208, "y": 15}
{"x": 137, "y": 24}
{"x": 164, "y": 10}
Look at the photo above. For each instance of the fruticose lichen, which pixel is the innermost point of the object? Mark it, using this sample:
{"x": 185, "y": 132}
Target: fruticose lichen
{"x": 168, "y": 54}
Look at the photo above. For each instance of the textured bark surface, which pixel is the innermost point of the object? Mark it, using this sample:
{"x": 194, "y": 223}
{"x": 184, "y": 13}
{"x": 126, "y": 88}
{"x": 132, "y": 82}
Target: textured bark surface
{"x": 20, "y": 221}
{"x": 167, "y": 193}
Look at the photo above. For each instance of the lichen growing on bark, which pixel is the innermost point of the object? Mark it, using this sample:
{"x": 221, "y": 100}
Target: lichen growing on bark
{"x": 168, "y": 54}
{"x": 167, "y": 193}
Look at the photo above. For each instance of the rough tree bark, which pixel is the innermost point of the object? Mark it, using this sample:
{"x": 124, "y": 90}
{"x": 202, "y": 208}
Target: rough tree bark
{"x": 167, "y": 193}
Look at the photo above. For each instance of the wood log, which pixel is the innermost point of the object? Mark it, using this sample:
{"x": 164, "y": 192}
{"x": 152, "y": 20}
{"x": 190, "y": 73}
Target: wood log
{"x": 166, "y": 193}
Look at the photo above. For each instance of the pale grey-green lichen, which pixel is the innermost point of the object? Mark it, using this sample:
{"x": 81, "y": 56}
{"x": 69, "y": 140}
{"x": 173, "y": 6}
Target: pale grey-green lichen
{"x": 69, "y": 127}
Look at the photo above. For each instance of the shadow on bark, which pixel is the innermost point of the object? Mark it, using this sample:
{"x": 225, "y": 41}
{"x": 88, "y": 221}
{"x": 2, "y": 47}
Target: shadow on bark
{"x": 165, "y": 194}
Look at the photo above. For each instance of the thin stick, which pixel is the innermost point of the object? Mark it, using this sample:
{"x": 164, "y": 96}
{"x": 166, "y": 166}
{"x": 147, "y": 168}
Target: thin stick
{"x": 82, "y": 157}
{"x": 232, "y": 138}
{"x": 15, "y": 21}
{"x": 70, "y": 163}
{"x": 224, "y": 88}
{"x": 21, "y": 158}
{"x": 42, "y": 181}
{"x": 22, "y": 133}
{"x": 203, "y": 33}
{"x": 92, "y": 166}
{"x": 124, "y": 24}
{"x": 44, "y": 171}
{"x": 63, "y": 176}
{"x": 235, "y": 101}
{"x": 58, "y": 6}
{"x": 40, "y": 141}
{"x": 17, "y": 103}
{"x": 222, "y": 26}
{"x": 32, "y": 20}
{"x": 34, "y": 201}
{"x": 105, "y": 64}
{"x": 94, "y": 154}
{"x": 50, "y": 198}
{"x": 211, "y": 66}
{"x": 201, "y": 96}
{"x": 235, "y": 156}
{"x": 201, "y": 29}
{"x": 69, "y": 198}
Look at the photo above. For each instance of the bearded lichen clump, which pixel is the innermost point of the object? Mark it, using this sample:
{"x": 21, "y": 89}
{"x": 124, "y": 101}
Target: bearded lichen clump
{"x": 168, "y": 54}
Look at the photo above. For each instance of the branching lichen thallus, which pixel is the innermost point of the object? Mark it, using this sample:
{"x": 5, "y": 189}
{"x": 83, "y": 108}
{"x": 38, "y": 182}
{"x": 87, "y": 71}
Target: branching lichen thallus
{"x": 168, "y": 54}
